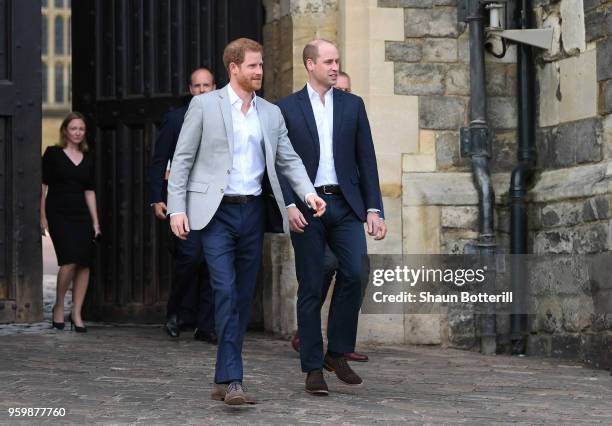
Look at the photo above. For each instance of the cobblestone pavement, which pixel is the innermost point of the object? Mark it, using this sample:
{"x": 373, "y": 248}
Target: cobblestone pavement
{"x": 137, "y": 375}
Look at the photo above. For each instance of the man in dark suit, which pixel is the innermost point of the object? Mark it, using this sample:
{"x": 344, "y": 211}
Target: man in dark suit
{"x": 329, "y": 130}
{"x": 188, "y": 262}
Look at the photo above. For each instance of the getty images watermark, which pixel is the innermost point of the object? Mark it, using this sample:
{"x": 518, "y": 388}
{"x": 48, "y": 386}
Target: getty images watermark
{"x": 427, "y": 283}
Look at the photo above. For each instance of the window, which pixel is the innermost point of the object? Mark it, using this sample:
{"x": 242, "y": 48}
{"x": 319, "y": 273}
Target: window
{"x": 45, "y": 40}
{"x": 44, "y": 3}
{"x": 59, "y": 83}
{"x": 59, "y": 4}
{"x": 59, "y": 35}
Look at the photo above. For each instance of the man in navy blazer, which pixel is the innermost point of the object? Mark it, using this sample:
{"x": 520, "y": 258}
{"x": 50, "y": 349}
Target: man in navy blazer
{"x": 329, "y": 130}
{"x": 189, "y": 264}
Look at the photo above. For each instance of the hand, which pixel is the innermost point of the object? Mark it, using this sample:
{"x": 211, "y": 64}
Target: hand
{"x": 160, "y": 210}
{"x": 44, "y": 226}
{"x": 179, "y": 225}
{"x": 317, "y": 204}
{"x": 297, "y": 222}
{"x": 97, "y": 231}
{"x": 376, "y": 226}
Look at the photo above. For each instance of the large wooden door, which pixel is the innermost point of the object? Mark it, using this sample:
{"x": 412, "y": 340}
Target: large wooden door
{"x": 131, "y": 63}
{"x": 20, "y": 165}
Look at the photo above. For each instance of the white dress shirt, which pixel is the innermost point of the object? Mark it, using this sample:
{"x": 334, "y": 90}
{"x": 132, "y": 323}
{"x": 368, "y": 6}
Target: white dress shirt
{"x": 249, "y": 161}
{"x": 324, "y": 118}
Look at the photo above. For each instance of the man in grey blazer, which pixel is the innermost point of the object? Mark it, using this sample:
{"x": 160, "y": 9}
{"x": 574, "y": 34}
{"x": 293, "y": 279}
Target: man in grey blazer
{"x": 225, "y": 158}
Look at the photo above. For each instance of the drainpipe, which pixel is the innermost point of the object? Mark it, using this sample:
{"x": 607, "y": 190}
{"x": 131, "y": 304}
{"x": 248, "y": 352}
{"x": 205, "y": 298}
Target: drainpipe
{"x": 475, "y": 143}
{"x": 521, "y": 177}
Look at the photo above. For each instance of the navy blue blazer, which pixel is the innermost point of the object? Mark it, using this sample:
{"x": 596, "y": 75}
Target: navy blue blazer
{"x": 164, "y": 150}
{"x": 353, "y": 149}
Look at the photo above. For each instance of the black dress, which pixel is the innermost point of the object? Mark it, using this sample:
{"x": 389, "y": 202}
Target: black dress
{"x": 70, "y": 224}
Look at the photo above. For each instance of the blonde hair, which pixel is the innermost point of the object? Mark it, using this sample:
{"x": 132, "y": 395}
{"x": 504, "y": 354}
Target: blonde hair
{"x": 236, "y": 50}
{"x": 74, "y": 115}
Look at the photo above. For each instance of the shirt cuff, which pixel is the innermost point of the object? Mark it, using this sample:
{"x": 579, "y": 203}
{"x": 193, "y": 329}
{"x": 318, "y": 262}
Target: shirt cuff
{"x": 374, "y": 211}
{"x": 172, "y": 214}
{"x": 290, "y": 205}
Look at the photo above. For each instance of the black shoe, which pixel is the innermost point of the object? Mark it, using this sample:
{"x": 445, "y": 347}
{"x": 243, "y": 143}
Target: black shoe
{"x": 315, "y": 383}
{"x": 343, "y": 371}
{"x": 76, "y": 327}
{"x": 172, "y": 326}
{"x": 57, "y": 325}
{"x": 205, "y": 336}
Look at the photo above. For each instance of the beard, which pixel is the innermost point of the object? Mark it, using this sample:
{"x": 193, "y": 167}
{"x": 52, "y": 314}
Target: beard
{"x": 249, "y": 84}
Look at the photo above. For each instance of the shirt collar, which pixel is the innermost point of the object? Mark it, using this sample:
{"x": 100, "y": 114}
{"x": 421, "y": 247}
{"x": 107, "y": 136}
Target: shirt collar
{"x": 233, "y": 97}
{"x": 312, "y": 94}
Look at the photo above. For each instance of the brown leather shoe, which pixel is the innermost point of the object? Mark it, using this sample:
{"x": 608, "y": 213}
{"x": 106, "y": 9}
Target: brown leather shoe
{"x": 356, "y": 356}
{"x": 343, "y": 371}
{"x": 295, "y": 342}
{"x": 315, "y": 383}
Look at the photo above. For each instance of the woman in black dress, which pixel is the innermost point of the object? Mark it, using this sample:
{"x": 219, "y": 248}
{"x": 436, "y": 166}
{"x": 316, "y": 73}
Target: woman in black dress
{"x": 69, "y": 213}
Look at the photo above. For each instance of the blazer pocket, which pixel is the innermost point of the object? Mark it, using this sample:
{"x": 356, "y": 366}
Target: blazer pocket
{"x": 197, "y": 187}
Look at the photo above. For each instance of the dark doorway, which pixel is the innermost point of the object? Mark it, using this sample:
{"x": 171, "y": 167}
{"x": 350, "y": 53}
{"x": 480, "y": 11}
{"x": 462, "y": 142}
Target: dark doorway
{"x": 131, "y": 63}
{"x": 20, "y": 165}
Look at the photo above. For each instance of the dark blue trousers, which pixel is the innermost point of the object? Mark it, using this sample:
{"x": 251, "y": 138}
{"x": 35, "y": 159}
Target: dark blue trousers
{"x": 232, "y": 244}
{"x": 191, "y": 281}
{"x": 343, "y": 231}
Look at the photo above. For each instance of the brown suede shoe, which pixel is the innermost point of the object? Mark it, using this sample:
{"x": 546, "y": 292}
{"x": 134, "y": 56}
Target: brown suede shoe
{"x": 356, "y": 356}
{"x": 315, "y": 383}
{"x": 220, "y": 390}
{"x": 343, "y": 371}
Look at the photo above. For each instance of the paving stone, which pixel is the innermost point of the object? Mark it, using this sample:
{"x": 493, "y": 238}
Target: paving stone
{"x": 136, "y": 375}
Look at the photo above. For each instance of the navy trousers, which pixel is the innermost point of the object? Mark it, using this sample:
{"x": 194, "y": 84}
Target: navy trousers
{"x": 343, "y": 231}
{"x": 232, "y": 244}
{"x": 191, "y": 280}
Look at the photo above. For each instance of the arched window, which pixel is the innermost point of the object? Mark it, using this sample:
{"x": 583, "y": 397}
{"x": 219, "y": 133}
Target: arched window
{"x": 59, "y": 4}
{"x": 44, "y": 36}
{"x": 59, "y": 35}
{"x": 44, "y": 3}
{"x": 59, "y": 83}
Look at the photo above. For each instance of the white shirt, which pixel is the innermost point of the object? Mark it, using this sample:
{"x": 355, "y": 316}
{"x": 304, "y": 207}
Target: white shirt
{"x": 324, "y": 118}
{"x": 249, "y": 161}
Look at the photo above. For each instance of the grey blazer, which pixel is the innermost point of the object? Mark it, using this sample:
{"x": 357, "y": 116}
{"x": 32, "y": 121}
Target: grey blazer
{"x": 202, "y": 160}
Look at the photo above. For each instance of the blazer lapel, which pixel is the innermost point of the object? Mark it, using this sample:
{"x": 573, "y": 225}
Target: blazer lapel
{"x": 338, "y": 108}
{"x": 263, "y": 120}
{"x": 226, "y": 112}
{"x": 306, "y": 108}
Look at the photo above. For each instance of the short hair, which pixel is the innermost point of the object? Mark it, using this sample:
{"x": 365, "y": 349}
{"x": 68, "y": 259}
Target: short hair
{"x": 236, "y": 50}
{"x": 74, "y": 115}
{"x": 200, "y": 69}
{"x": 311, "y": 50}
{"x": 343, "y": 74}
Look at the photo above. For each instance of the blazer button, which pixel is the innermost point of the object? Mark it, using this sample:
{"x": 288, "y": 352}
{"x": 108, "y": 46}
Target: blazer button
{"x": 229, "y": 171}
{"x": 221, "y": 190}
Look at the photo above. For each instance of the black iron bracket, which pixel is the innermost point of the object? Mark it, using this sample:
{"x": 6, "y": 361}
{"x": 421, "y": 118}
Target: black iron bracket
{"x": 475, "y": 141}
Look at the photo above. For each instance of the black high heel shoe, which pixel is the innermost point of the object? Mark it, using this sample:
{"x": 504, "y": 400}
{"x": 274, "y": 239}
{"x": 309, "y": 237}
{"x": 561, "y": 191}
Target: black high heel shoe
{"x": 76, "y": 327}
{"x": 57, "y": 325}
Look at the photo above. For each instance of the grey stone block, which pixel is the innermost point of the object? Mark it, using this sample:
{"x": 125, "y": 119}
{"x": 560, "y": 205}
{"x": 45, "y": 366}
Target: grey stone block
{"x": 549, "y": 316}
{"x": 606, "y": 97}
{"x": 590, "y": 4}
{"x": 538, "y": 345}
{"x": 457, "y": 80}
{"x": 403, "y": 51}
{"x": 419, "y": 79}
{"x": 496, "y": 79}
{"x": 577, "y": 312}
{"x": 430, "y": 22}
{"x": 461, "y": 217}
{"x": 440, "y": 49}
{"x": 405, "y": 3}
{"x": 597, "y": 23}
{"x": 596, "y": 209}
{"x": 502, "y": 112}
{"x": 588, "y": 238}
{"x": 565, "y": 346}
{"x": 574, "y": 143}
{"x": 604, "y": 59}
{"x": 441, "y": 112}
{"x": 448, "y": 151}
{"x": 503, "y": 152}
